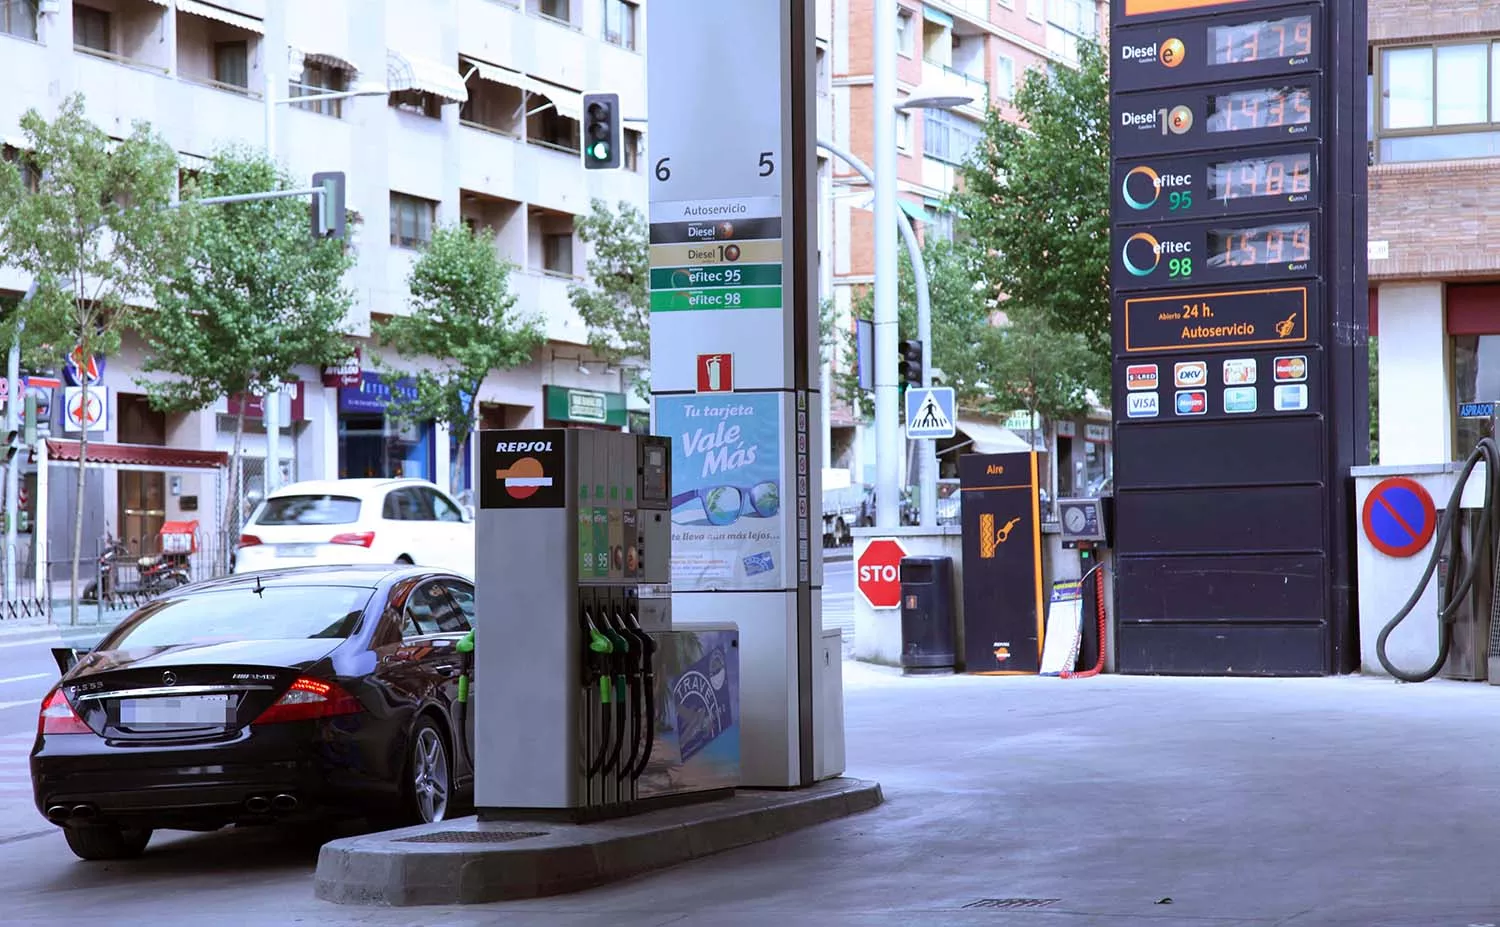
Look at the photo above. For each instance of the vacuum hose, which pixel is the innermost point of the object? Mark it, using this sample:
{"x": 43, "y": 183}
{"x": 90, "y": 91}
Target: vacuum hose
{"x": 1449, "y": 597}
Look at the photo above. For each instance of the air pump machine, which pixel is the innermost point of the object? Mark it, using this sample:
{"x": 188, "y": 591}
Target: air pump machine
{"x": 587, "y": 702}
{"x": 1460, "y": 641}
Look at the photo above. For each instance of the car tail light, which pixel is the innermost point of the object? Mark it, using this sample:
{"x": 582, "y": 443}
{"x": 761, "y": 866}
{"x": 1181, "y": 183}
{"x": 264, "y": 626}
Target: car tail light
{"x": 362, "y": 539}
{"x": 58, "y": 717}
{"x": 249, "y": 540}
{"x": 308, "y": 699}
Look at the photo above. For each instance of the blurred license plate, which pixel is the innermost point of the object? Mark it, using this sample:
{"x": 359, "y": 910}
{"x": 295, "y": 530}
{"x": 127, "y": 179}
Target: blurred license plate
{"x": 295, "y": 550}
{"x": 191, "y": 709}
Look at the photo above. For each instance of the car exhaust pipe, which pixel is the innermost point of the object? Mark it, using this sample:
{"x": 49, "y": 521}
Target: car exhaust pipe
{"x": 258, "y": 804}
{"x": 58, "y": 813}
{"x": 83, "y": 811}
{"x": 284, "y": 802}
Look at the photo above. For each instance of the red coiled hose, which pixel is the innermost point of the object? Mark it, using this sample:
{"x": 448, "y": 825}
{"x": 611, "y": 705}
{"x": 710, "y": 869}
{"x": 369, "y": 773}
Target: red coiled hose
{"x": 1098, "y": 607}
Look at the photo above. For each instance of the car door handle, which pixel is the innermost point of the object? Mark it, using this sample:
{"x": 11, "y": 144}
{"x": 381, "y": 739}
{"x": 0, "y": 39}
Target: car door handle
{"x": 447, "y": 669}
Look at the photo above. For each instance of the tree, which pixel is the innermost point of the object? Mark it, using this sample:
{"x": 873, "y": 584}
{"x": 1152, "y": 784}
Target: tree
{"x": 1035, "y": 198}
{"x": 1374, "y": 353}
{"x": 257, "y": 297}
{"x": 96, "y": 233}
{"x": 462, "y": 318}
{"x": 1037, "y": 368}
{"x": 960, "y": 315}
{"x": 616, "y": 303}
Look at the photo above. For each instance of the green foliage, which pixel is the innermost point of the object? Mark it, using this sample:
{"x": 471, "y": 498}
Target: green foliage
{"x": 96, "y": 234}
{"x": 960, "y": 318}
{"x": 1035, "y": 198}
{"x": 257, "y": 297}
{"x": 463, "y": 324}
{"x": 1033, "y": 366}
{"x": 615, "y": 303}
{"x": 1374, "y": 400}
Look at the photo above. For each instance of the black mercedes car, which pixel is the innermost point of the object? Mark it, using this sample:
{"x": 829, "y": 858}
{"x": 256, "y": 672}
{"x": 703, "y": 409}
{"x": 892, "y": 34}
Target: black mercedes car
{"x": 259, "y": 698}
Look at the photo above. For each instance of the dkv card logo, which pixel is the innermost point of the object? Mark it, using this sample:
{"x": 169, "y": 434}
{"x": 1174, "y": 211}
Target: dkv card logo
{"x": 1191, "y": 373}
{"x": 1142, "y": 405}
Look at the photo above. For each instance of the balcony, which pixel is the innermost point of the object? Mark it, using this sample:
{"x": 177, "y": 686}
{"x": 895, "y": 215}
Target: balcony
{"x": 128, "y": 32}
{"x": 546, "y": 296}
{"x": 945, "y": 79}
{"x": 219, "y": 49}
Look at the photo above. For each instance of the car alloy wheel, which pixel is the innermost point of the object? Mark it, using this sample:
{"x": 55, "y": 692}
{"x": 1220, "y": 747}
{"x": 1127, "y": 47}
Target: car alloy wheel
{"x": 429, "y": 774}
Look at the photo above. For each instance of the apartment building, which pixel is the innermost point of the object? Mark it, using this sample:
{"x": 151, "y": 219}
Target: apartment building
{"x": 468, "y": 111}
{"x": 1434, "y": 185}
{"x": 975, "y": 48}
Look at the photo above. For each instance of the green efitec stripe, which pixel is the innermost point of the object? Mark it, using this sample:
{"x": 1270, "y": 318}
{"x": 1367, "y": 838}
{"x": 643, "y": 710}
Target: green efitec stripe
{"x": 758, "y": 297}
{"x": 685, "y": 278}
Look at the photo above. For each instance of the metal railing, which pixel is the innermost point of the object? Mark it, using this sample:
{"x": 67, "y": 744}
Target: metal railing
{"x": 114, "y": 579}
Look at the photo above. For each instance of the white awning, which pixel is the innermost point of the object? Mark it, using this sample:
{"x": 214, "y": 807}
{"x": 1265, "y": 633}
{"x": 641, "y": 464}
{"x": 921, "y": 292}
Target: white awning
{"x": 404, "y": 72}
{"x": 192, "y": 162}
{"x": 989, "y": 438}
{"x": 498, "y": 75}
{"x": 329, "y": 60}
{"x": 568, "y": 102}
{"x": 218, "y": 14}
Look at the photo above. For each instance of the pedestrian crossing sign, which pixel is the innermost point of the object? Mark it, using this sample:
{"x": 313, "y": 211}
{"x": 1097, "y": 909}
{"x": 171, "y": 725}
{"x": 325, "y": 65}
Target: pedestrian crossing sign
{"x": 929, "y": 413}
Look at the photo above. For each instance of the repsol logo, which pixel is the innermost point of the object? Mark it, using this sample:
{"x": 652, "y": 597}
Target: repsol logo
{"x": 523, "y": 447}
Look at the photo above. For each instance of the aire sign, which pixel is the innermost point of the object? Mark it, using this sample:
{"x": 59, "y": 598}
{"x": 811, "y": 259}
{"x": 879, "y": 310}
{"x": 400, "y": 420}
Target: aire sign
{"x": 877, "y": 575}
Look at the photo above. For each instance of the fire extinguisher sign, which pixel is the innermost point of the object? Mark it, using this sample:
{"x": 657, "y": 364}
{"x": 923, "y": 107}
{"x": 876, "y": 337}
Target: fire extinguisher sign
{"x": 715, "y": 373}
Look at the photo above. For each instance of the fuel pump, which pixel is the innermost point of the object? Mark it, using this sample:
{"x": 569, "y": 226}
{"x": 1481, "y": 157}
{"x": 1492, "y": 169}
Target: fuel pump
{"x": 1085, "y": 526}
{"x": 1457, "y": 574}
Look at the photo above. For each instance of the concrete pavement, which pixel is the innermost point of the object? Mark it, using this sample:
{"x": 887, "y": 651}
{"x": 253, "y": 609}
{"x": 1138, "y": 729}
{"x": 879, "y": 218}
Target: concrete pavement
{"x": 1336, "y": 802}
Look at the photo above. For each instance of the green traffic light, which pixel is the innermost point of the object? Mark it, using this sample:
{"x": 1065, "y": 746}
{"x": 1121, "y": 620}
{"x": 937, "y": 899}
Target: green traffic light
{"x": 599, "y": 151}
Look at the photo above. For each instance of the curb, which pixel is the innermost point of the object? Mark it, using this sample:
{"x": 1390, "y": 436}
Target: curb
{"x": 836, "y": 556}
{"x": 469, "y": 862}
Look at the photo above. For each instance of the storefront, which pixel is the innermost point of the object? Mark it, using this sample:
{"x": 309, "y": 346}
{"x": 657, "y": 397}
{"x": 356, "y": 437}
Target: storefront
{"x": 565, "y": 407}
{"x": 372, "y": 442}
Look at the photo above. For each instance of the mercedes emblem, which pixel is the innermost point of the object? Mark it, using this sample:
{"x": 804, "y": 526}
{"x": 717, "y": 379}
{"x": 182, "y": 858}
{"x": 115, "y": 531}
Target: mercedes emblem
{"x": 169, "y": 678}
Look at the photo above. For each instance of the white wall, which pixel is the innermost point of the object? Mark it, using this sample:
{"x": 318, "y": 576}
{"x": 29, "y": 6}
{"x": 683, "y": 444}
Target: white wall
{"x": 1416, "y": 405}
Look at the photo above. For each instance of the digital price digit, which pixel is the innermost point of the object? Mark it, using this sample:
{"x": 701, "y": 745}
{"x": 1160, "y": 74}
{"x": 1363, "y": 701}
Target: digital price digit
{"x": 1278, "y": 175}
{"x": 1180, "y": 267}
{"x": 1289, "y": 243}
{"x": 1179, "y": 200}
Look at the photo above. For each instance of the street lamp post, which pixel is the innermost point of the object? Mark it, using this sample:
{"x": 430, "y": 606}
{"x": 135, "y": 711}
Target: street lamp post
{"x": 271, "y": 401}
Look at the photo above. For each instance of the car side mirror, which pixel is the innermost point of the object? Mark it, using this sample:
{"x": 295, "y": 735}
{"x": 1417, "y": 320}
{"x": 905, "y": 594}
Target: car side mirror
{"x": 468, "y": 512}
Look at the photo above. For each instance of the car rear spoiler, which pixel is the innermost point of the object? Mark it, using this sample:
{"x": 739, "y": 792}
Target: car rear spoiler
{"x": 68, "y": 657}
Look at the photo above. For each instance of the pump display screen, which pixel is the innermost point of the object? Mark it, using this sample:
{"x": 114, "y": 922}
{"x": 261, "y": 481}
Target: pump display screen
{"x": 1282, "y": 243}
{"x": 1242, "y": 43}
{"x": 1277, "y": 175}
{"x": 1268, "y": 108}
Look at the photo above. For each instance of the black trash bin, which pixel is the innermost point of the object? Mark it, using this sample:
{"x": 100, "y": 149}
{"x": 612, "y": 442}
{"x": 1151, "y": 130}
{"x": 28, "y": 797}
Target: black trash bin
{"x": 927, "y": 616}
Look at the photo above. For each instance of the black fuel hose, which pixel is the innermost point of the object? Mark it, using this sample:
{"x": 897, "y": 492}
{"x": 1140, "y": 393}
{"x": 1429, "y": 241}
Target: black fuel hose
{"x": 1448, "y": 598}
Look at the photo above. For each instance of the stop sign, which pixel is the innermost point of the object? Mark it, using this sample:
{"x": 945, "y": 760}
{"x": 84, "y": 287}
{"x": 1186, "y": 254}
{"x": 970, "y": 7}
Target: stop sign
{"x": 878, "y": 573}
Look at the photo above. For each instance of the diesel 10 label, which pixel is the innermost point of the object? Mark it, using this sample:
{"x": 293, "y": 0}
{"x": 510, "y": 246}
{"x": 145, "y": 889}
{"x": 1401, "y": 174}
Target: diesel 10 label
{"x": 1217, "y": 117}
{"x": 1207, "y": 50}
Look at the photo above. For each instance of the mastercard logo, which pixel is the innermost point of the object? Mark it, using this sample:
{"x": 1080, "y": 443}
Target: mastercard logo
{"x": 523, "y": 478}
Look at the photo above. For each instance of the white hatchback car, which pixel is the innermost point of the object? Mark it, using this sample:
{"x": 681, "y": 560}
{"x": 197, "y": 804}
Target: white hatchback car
{"x": 357, "y": 521}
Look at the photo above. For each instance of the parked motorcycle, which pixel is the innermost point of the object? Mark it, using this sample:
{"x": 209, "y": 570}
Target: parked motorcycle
{"x": 154, "y": 574}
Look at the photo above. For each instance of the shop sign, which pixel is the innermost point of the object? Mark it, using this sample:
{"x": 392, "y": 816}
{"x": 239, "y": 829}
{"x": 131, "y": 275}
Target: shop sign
{"x": 374, "y": 395}
{"x": 1021, "y": 420}
{"x": 1096, "y": 433}
{"x": 590, "y": 407}
{"x": 346, "y": 374}
{"x": 75, "y": 368}
{"x": 255, "y": 406}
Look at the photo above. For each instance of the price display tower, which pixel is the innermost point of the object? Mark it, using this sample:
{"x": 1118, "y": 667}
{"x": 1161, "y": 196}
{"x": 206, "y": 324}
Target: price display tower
{"x": 1240, "y": 332}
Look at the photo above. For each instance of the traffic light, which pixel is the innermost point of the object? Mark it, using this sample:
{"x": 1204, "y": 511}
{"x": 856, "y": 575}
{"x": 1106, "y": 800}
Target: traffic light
{"x": 328, "y": 208}
{"x": 601, "y": 131}
{"x": 911, "y": 362}
{"x": 12, "y": 445}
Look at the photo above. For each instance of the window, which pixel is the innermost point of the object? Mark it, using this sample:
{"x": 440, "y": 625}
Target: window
{"x": 277, "y": 612}
{"x": 442, "y": 507}
{"x": 903, "y": 130}
{"x": 31, "y": 178}
{"x": 411, "y": 220}
{"x": 551, "y": 128}
{"x": 1438, "y": 102}
{"x": 1476, "y": 378}
{"x": 948, "y": 138}
{"x": 232, "y": 63}
{"x": 407, "y": 505}
{"x": 320, "y": 78}
{"x": 430, "y": 610}
{"x": 418, "y": 103}
{"x": 631, "y": 156}
{"x": 619, "y": 23}
{"x": 1068, "y": 22}
{"x": 556, "y": 9}
{"x": 309, "y": 510}
{"x": 18, "y": 18}
{"x": 905, "y": 34}
{"x": 90, "y": 28}
{"x": 1035, "y": 10}
{"x": 1005, "y": 77}
{"x": 557, "y": 254}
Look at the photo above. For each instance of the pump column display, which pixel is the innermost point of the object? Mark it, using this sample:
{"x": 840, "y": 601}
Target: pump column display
{"x": 1240, "y": 332}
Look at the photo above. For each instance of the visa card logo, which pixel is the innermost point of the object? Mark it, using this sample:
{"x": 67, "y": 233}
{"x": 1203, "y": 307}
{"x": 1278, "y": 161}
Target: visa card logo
{"x": 1142, "y": 405}
{"x": 1192, "y": 402}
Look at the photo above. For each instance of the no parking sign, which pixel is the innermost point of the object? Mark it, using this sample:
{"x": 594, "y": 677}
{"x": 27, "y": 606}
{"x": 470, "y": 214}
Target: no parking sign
{"x": 1399, "y": 517}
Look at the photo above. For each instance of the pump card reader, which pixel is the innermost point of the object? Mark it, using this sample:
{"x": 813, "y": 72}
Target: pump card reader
{"x": 1084, "y": 520}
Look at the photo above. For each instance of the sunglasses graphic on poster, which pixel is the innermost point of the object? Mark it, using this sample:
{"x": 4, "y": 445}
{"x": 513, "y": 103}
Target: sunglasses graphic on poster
{"x": 726, "y": 490}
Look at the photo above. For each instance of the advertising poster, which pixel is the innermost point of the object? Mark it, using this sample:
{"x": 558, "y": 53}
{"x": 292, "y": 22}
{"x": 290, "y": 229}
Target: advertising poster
{"x": 697, "y": 734}
{"x": 727, "y": 519}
